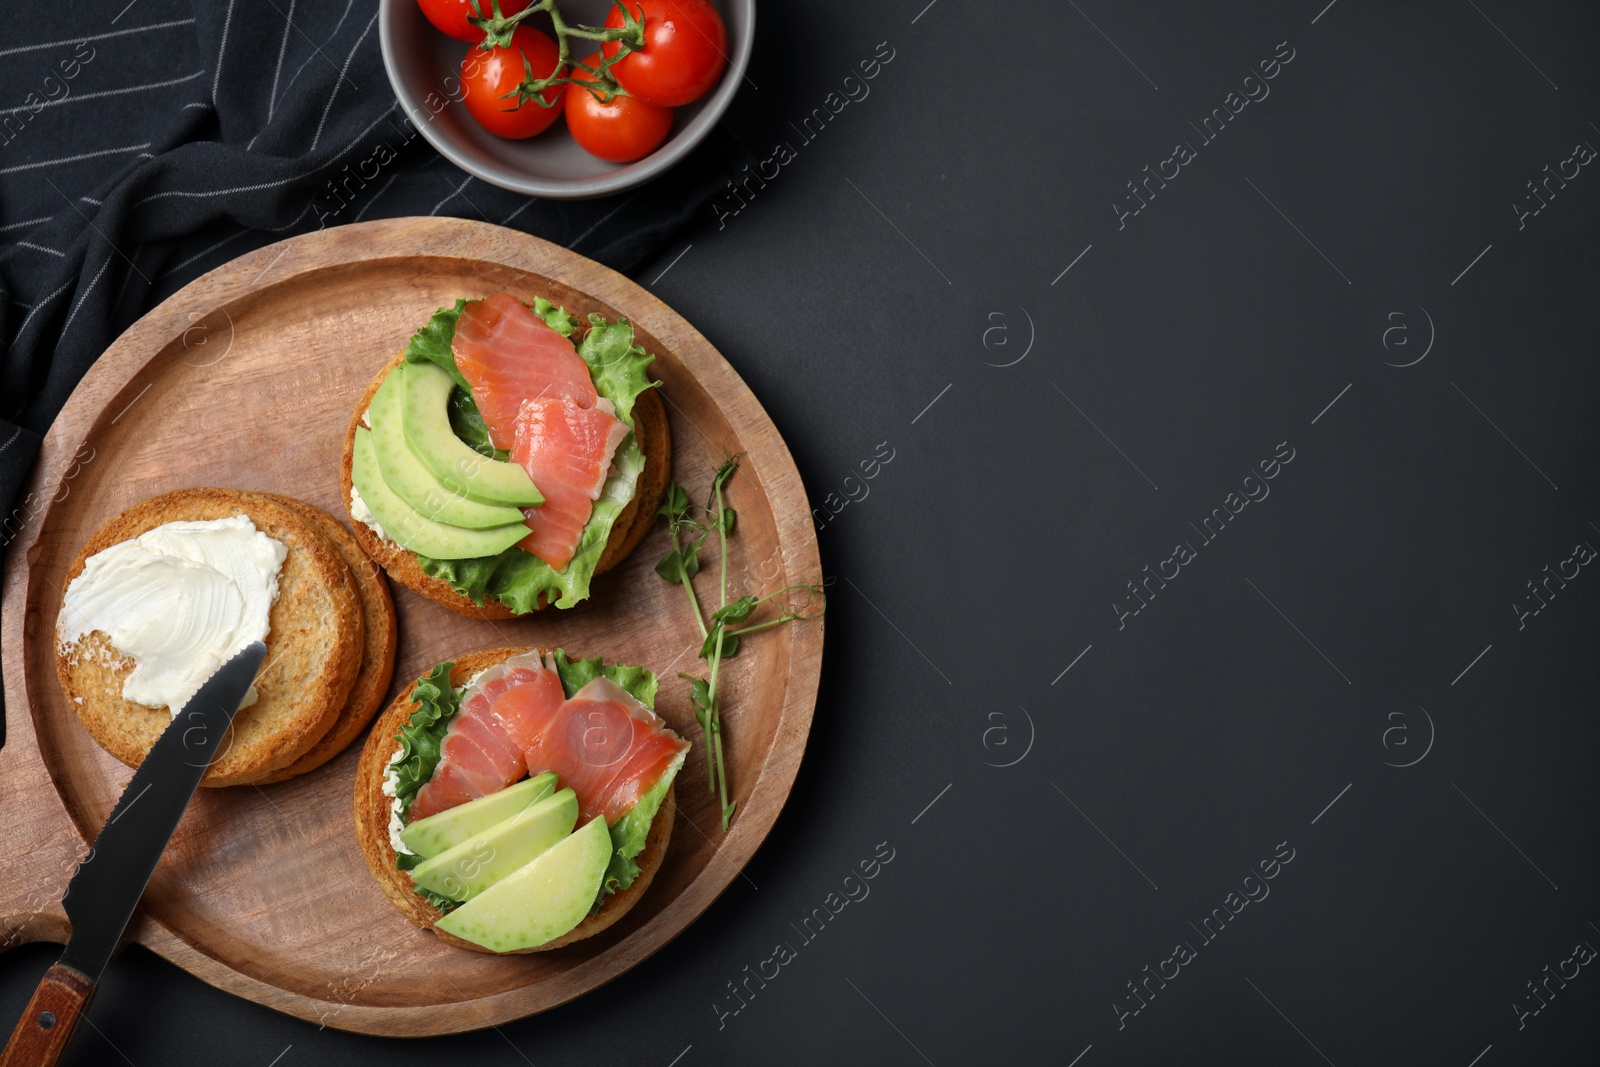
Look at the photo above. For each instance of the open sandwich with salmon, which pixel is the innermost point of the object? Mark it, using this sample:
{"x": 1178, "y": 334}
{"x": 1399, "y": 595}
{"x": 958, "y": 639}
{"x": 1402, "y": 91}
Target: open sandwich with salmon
{"x": 507, "y": 456}
{"x": 517, "y": 800}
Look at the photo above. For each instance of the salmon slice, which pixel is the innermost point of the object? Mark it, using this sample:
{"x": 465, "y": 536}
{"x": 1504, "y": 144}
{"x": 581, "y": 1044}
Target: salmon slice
{"x": 581, "y": 744}
{"x": 650, "y": 757}
{"x": 509, "y": 355}
{"x": 595, "y": 740}
{"x": 607, "y": 747}
{"x": 475, "y": 758}
{"x": 527, "y": 708}
{"x": 482, "y": 753}
{"x": 566, "y": 448}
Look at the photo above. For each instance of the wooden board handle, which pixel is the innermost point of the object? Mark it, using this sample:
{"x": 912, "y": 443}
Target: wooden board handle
{"x": 47, "y": 1024}
{"x": 41, "y": 846}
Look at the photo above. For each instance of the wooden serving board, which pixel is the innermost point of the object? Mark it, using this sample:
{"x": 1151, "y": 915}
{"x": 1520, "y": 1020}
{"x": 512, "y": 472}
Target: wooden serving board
{"x": 246, "y": 378}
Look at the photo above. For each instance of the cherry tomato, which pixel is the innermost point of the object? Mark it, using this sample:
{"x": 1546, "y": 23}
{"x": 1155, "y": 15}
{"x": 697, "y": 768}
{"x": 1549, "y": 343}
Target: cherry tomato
{"x": 685, "y": 49}
{"x": 621, "y": 131}
{"x": 450, "y": 16}
{"x": 488, "y": 76}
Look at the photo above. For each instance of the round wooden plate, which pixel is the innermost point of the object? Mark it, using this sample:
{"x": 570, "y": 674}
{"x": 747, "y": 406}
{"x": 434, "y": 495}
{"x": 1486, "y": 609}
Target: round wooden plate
{"x": 245, "y": 378}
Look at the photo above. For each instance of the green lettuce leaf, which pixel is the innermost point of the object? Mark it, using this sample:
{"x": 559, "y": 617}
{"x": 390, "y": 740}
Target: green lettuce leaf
{"x": 445, "y": 904}
{"x": 467, "y": 421}
{"x": 469, "y": 577}
{"x": 419, "y": 739}
{"x": 431, "y": 344}
{"x": 555, "y": 316}
{"x": 629, "y": 833}
{"x": 517, "y": 578}
{"x": 639, "y": 682}
{"x": 616, "y": 364}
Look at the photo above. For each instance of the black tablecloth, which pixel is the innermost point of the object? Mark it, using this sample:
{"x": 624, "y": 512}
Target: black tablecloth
{"x": 217, "y": 128}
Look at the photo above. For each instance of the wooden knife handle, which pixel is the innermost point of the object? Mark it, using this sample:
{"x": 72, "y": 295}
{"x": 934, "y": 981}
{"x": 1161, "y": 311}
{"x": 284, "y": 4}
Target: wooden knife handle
{"x": 46, "y": 1027}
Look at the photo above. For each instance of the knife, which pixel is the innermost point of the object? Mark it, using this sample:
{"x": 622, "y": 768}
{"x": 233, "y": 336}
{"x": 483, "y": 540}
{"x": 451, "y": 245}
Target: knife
{"x": 111, "y": 878}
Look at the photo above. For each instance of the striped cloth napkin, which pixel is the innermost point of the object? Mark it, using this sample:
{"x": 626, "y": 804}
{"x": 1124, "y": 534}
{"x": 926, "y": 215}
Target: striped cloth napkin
{"x": 143, "y": 143}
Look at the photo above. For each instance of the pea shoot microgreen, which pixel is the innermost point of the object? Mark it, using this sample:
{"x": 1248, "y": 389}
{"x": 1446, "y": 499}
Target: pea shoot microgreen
{"x": 689, "y": 527}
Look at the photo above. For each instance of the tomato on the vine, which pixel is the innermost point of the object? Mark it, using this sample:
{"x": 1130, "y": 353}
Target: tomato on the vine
{"x": 685, "y": 49}
{"x": 450, "y": 16}
{"x": 488, "y": 77}
{"x": 620, "y": 130}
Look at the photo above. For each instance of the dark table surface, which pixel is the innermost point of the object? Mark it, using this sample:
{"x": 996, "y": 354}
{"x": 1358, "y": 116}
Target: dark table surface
{"x": 1168, "y": 775}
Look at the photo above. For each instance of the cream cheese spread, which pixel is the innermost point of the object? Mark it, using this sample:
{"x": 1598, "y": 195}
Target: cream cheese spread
{"x": 391, "y": 786}
{"x": 363, "y": 514}
{"x": 179, "y": 600}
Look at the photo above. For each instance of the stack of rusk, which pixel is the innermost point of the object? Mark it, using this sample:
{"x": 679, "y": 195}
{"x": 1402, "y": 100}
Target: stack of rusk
{"x": 330, "y": 649}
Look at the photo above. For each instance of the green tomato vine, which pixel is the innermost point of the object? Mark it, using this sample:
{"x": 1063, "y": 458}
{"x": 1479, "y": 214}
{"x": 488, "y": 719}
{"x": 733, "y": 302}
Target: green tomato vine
{"x": 498, "y": 29}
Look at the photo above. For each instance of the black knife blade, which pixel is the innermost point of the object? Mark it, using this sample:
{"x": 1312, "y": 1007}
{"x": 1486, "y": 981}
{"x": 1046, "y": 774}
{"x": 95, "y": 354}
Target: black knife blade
{"x": 111, "y": 878}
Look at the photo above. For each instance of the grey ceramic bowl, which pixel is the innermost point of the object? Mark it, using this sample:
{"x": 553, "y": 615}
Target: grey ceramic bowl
{"x": 424, "y": 68}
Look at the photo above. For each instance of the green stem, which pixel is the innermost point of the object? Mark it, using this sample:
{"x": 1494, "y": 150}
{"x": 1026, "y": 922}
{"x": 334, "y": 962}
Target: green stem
{"x": 498, "y": 29}
{"x": 722, "y": 539}
{"x": 710, "y": 728}
{"x": 714, "y": 720}
{"x": 699, "y": 618}
{"x": 714, "y": 716}
{"x": 727, "y": 812}
{"x": 779, "y": 621}
{"x": 589, "y": 34}
{"x": 711, "y": 731}
{"x": 715, "y": 713}
{"x": 688, "y": 586}
{"x": 788, "y": 615}
{"x": 789, "y": 589}
{"x": 716, "y": 665}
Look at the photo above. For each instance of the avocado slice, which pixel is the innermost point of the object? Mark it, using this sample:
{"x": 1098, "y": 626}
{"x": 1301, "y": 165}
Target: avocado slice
{"x": 431, "y": 836}
{"x": 408, "y": 527}
{"x": 426, "y": 418}
{"x": 480, "y": 861}
{"x": 410, "y": 479}
{"x": 540, "y": 901}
